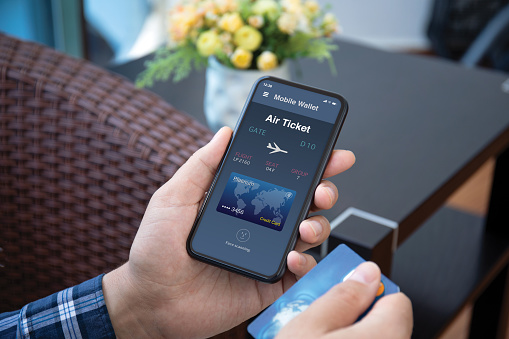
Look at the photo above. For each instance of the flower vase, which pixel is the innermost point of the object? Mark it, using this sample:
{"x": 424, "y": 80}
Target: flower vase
{"x": 226, "y": 91}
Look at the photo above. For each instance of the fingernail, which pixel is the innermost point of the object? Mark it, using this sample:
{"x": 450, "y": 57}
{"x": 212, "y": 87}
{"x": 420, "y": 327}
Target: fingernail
{"x": 331, "y": 193}
{"x": 316, "y": 226}
{"x": 217, "y": 133}
{"x": 302, "y": 259}
{"x": 354, "y": 157}
{"x": 365, "y": 273}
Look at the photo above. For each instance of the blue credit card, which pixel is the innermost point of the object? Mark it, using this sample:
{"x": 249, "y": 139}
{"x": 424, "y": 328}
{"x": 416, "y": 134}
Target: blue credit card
{"x": 333, "y": 269}
{"x": 256, "y": 201}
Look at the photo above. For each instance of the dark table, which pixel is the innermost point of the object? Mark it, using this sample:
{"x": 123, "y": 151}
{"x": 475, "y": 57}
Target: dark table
{"x": 420, "y": 127}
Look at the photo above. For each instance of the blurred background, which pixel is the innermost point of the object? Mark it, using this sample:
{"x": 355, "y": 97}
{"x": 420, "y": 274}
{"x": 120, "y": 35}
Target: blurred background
{"x": 113, "y": 32}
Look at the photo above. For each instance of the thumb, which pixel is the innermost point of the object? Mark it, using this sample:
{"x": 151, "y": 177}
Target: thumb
{"x": 339, "y": 307}
{"x": 190, "y": 182}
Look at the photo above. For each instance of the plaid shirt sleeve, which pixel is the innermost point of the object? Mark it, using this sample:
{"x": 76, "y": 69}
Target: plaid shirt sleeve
{"x": 76, "y": 312}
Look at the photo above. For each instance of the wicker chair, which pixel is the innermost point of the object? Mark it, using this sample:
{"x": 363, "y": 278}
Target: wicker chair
{"x": 81, "y": 152}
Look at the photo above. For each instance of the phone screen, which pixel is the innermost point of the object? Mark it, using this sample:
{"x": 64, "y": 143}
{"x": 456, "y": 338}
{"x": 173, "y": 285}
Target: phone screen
{"x": 267, "y": 178}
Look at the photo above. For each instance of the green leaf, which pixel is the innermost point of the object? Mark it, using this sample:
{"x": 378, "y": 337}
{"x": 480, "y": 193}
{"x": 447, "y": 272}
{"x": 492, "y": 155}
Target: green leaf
{"x": 245, "y": 9}
{"x": 224, "y": 59}
{"x": 298, "y": 43}
{"x": 321, "y": 49}
{"x": 176, "y": 63}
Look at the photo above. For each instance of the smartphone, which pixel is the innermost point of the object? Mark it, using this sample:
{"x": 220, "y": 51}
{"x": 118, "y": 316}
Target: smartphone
{"x": 266, "y": 181}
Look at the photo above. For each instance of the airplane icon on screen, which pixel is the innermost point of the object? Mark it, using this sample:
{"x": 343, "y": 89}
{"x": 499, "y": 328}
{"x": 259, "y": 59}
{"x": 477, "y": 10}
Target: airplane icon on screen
{"x": 275, "y": 149}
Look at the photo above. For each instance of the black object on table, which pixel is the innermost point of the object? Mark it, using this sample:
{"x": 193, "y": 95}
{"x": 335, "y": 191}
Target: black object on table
{"x": 420, "y": 127}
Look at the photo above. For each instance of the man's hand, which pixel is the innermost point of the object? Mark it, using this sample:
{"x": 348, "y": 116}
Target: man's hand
{"x": 333, "y": 315}
{"x": 162, "y": 292}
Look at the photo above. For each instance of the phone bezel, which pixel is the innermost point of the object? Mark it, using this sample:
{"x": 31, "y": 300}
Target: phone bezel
{"x": 338, "y": 124}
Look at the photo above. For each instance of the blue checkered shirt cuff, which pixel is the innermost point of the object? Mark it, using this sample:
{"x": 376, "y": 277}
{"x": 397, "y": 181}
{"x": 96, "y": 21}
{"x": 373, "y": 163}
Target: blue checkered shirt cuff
{"x": 76, "y": 312}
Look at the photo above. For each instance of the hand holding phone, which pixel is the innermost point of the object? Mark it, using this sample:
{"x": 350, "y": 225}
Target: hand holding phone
{"x": 266, "y": 181}
{"x": 171, "y": 294}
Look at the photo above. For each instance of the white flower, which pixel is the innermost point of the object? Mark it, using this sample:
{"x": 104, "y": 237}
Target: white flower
{"x": 256, "y": 21}
{"x": 330, "y": 24}
{"x": 287, "y": 23}
{"x": 225, "y": 37}
{"x": 293, "y": 6}
{"x": 304, "y": 25}
{"x": 228, "y": 49}
{"x": 312, "y": 7}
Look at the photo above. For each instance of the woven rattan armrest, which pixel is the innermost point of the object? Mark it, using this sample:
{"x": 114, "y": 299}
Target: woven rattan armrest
{"x": 81, "y": 152}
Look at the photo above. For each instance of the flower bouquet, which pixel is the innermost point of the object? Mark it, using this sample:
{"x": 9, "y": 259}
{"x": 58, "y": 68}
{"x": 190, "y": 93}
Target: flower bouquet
{"x": 241, "y": 34}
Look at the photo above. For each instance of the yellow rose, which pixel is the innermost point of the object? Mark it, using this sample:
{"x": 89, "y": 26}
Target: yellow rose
{"x": 231, "y": 22}
{"x": 256, "y": 21}
{"x": 241, "y": 58}
{"x": 208, "y": 42}
{"x": 182, "y": 20}
{"x": 226, "y": 5}
{"x": 178, "y": 34}
{"x": 248, "y": 38}
{"x": 312, "y": 7}
{"x": 266, "y": 7}
{"x": 287, "y": 23}
{"x": 267, "y": 60}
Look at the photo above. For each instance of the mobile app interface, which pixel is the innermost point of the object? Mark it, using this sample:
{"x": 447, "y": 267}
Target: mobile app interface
{"x": 266, "y": 176}
{"x": 257, "y": 201}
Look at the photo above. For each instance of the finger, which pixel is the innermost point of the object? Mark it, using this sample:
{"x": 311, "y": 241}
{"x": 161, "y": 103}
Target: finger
{"x": 390, "y": 317}
{"x": 195, "y": 176}
{"x": 339, "y": 161}
{"x": 300, "y": 263}
{"x": 326, "y": 195}
{"x": 313, "y": 231}
{"x": 345, "y": 301}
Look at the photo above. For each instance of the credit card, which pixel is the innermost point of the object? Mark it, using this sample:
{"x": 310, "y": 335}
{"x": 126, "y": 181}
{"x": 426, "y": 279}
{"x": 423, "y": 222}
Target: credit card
{"x": 256, "y": 201}
{"x": 333, "y": 269}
